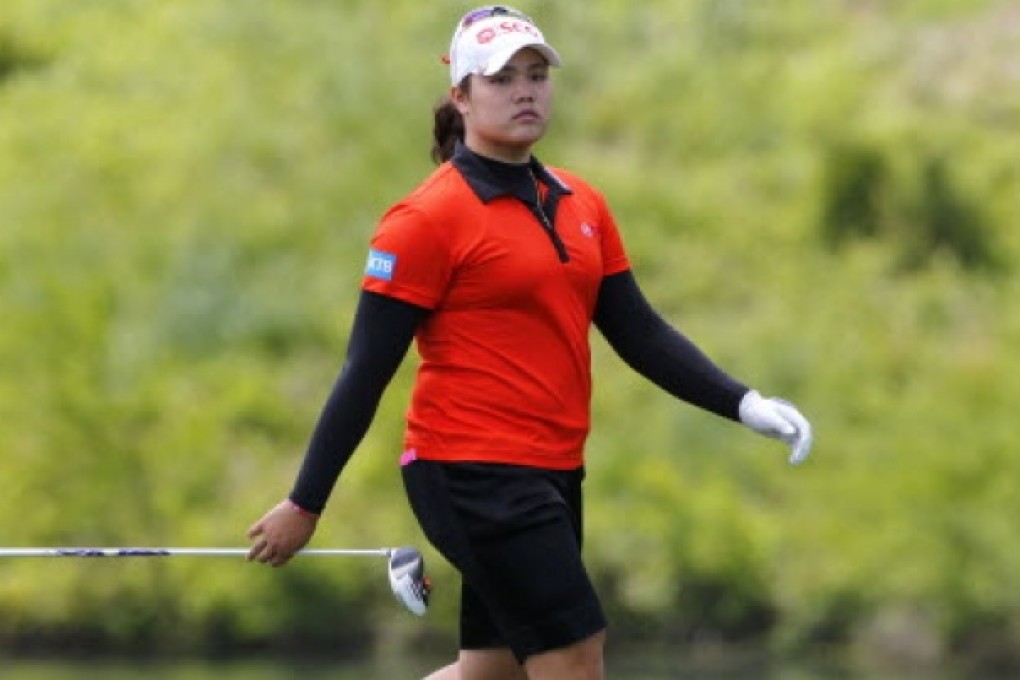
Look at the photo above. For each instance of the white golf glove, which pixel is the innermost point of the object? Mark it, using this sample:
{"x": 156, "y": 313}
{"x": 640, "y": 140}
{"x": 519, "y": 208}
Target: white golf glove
{"x": 780, "y": 420}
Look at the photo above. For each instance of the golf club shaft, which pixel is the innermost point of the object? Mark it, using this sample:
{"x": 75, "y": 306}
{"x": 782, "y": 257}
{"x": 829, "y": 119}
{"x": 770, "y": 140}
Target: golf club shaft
{"x": 179, "y": 552}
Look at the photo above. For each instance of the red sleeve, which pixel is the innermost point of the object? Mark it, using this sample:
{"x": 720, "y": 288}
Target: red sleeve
{"x": 409, "y": 258}
{"x": 614, "y": 255}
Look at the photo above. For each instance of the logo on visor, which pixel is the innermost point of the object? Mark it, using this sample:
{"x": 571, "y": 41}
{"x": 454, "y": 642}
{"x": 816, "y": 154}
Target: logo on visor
{"x": 490, "y": 33}
{"x": 380, "y": 265}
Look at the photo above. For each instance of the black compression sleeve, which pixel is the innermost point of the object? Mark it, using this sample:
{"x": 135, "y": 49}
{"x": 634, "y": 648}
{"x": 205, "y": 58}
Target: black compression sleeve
{"x": 659, "y": 352}
{"x": 380, "y": 336}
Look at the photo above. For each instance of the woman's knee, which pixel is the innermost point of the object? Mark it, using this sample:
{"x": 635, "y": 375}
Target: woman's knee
{"x": 483, "y": 664}
{"x": 582, "y": 660}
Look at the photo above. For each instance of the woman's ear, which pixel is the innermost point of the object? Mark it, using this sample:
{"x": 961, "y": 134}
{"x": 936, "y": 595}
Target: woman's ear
{"x": 460, "y": 98}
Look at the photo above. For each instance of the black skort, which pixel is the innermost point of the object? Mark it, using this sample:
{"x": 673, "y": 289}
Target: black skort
{"x": 515, "y": 535}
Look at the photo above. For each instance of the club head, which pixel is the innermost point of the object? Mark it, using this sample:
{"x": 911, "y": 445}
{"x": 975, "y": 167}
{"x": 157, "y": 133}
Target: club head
{"x": 408, "y": 580}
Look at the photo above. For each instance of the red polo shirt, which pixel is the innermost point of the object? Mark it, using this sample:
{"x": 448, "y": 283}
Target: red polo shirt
{"x": 505, "y": 373}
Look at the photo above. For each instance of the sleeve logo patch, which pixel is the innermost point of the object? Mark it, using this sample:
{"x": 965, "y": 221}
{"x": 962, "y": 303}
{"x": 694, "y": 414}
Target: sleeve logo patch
{"x": 380, "y": 264}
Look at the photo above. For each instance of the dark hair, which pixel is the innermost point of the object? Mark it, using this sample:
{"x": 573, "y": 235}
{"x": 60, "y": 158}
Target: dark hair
{"x": 448, "y": 127}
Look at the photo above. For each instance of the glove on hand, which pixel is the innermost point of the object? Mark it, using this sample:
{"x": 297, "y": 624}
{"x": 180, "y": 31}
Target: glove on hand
{"x": 780, "y": 420}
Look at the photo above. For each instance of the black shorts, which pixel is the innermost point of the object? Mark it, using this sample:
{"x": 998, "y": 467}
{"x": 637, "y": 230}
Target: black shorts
{"x": 515, "y": 535}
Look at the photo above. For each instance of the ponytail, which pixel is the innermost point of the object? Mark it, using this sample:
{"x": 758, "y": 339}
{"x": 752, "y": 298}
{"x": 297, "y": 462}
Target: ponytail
{"x": 448, "y": 127}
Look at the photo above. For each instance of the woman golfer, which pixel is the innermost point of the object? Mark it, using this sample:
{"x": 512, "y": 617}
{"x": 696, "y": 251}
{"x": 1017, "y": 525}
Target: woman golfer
{"x": 497, "y": 266}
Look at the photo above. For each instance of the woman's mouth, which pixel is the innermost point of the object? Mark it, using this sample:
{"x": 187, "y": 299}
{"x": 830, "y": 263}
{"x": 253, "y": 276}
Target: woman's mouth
{"x": 527, "y": 115}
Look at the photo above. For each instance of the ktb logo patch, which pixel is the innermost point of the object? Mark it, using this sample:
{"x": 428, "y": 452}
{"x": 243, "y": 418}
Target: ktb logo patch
{"x": 380, "y": 265}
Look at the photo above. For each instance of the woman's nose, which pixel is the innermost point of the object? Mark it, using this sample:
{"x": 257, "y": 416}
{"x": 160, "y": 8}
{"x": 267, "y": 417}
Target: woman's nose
{"x": 524, "y": 92}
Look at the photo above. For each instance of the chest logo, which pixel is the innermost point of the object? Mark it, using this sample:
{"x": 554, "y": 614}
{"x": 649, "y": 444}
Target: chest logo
{"x": 588, "y": 230}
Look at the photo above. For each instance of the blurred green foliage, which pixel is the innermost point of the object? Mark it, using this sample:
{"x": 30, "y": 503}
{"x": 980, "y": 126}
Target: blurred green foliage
{"x": 821, "y": 194}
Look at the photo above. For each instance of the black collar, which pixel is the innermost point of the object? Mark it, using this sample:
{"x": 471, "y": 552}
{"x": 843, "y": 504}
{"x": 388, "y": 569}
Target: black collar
{"x": 490, "y": 179}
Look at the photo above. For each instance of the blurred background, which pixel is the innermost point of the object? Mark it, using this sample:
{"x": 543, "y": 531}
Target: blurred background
{"x": 823, "y": 194}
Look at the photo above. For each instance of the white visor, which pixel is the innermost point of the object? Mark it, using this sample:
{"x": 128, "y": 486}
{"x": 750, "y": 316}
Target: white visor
{"x": 486, "y": 45}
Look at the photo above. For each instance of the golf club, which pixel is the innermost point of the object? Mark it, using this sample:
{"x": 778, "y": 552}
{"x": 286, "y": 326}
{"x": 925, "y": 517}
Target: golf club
{"x": 406, "y": 566}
